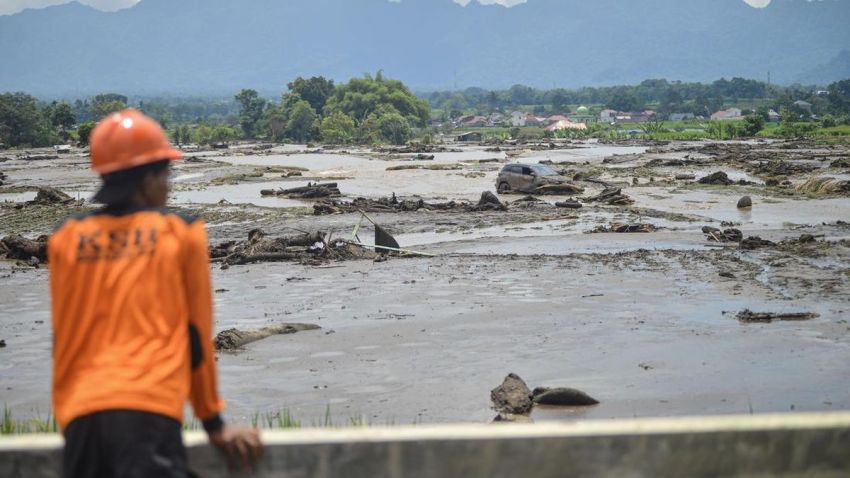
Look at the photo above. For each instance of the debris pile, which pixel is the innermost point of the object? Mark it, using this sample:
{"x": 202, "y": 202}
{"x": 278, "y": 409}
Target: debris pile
{"x": 305, "y": 248}
{"x": 611, "y": 197}
{"x": 625, "y": 228}
{"x": 726, "y": 235}
{"x": 488, "y": 202}
{"x": 750, "y": 316}
{"x": 824, "y": 185}
{"x": 235, "y": 339}
{"x": 513, "y": 398}
{"x": 311, "y": 191}
{"x": 21, "y": 248}
{"x": 559, "y": 189}
{"x": 47, "y": 196}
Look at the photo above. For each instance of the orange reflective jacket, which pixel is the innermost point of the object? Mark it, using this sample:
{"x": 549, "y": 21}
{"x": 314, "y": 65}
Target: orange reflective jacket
{"x": 132, "y": 316}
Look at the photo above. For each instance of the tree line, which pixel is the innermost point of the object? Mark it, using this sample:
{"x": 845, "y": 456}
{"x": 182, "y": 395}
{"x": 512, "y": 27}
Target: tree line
{"x": 374, "y": 109}
{"x": 665, "y": 97}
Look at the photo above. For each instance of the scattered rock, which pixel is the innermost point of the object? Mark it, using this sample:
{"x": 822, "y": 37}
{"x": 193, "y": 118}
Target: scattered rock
{"x": 750, "y": 316}
{"x": 569, "y": 204}
{"x": 565, "y": 397}
{"x": 806, "y": 239}
{"x": 685, "y": 177}
{"x": 512, "y": 396}
{"x": 727, "y": 275}
{"x": 755, "y": 242}
{"x": 719, "y": 177}
{"x": 234, "y": 339}
{"x": 2, "y": 344}
{"x": 745, "y": 202}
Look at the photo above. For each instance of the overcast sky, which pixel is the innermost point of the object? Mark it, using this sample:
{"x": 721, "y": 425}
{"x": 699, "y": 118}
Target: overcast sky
{"x": 14, "y": 6}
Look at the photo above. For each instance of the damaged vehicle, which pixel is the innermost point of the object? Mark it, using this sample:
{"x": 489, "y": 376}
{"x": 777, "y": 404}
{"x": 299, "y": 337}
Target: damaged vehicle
{"x": 534, "y": 179}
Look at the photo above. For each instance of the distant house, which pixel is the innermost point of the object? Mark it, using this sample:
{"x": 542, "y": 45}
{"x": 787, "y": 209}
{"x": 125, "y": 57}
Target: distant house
{"x": 635, "y": 117}
{"x": 470, "y": 137}
{"x": 773, "y": 116}
{"x": 497, "y": 119}
{"x": 556, "y": 118}
{"x": 608, "y": 116}
{"x": 531, "y": 120}
{"x": 730, "y": 114}
{"x": 566, "y": 124}
{"x": 681, "y": 116}
{"x": 473, "y": 122}
{"x": 518, "y": 119}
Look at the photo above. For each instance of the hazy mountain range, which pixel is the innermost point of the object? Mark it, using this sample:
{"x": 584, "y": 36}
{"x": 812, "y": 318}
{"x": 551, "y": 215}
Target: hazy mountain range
{"x": 220, "y": 46}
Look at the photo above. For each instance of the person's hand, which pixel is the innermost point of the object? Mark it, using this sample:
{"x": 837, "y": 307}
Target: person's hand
{"x": 239, "y": 444}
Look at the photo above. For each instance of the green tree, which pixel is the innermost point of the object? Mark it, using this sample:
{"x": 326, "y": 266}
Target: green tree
{"x": 22, "y": 123}
{"x": 105, "y": 104}
{"x": 275, "y": 123}
{"x": 62, "y": 116}
{"x": 394, "y": 128}
{"x": 360, "y": 97}
{"x": 315, "y": 90}
{"x": 251, "y": 111}
{"x": 753, "y": 124}
{"x": 301, "y": 120}
{"x": 559, "y": 101}
{"x": 338, "y": 128}
{"x": 84, "y": 132}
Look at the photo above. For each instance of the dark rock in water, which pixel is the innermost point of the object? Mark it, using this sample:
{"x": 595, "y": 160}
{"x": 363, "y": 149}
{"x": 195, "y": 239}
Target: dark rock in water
{"x": 772, "y": 182}
{"x": 745, "y": 202}
{"x": 569, "y": 204}
{"x": 564, "y": 397}
{"x": 807, "y": 239}
{"x": 2, "y": 343}
{"x": 755, "y": 242}
{"x": 512, "y": 396}
{"x": 717, "y": 178}
{"x": 685, "y": 177}
{"x": 710, "y": 230}
{"x": 489, "y": 202}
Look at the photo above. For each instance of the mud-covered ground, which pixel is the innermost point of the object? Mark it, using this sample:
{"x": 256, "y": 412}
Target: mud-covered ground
{"x": 644, "y": 322}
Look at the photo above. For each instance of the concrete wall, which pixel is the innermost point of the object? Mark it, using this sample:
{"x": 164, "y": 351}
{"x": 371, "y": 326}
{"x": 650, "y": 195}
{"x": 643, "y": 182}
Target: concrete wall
{"x": 794, "y": 445}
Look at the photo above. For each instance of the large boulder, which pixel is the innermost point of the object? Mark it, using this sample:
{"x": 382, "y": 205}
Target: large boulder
{"x": 565, "y": 397}
{"x": 512, "y": 397}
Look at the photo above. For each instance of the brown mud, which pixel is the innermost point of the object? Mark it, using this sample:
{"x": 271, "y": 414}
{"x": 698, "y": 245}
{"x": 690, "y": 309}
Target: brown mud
{"x": 640, "y": 320}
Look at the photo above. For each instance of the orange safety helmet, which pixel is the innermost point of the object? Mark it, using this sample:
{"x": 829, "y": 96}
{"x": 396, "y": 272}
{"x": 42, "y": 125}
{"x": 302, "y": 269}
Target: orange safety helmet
{"x": 128, "y": 139}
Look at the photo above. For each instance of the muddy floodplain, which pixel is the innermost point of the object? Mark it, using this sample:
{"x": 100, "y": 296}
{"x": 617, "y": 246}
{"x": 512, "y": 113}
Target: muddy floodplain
{"x": 647, "y": 320}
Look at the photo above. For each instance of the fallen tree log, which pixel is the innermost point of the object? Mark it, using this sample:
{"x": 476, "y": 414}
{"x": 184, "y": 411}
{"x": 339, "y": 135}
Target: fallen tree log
{"x": 235, "y": 339}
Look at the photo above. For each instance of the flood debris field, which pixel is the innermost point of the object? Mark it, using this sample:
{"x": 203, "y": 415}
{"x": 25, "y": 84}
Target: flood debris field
{"x": 651, "y": 290}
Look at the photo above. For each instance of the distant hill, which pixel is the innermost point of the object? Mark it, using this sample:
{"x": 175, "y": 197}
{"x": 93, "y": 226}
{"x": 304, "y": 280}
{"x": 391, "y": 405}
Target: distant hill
{"x": 220, "y": 46}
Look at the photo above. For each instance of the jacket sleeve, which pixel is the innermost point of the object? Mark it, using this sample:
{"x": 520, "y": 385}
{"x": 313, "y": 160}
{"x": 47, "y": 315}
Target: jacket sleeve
{"x": 204, "y": 389}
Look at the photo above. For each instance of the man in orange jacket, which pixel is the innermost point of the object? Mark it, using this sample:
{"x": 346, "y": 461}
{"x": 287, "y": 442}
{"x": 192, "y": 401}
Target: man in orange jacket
{"x": 133, "y": 319}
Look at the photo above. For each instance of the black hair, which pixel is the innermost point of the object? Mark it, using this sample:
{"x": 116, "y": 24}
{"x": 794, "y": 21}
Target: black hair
{"x": 119, "y": 187}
